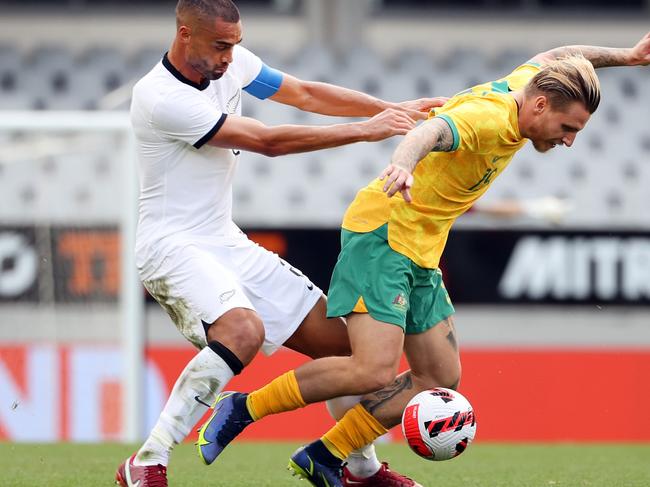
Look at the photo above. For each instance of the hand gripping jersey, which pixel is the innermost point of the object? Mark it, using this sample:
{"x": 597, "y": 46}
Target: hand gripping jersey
{"x": 486, "y": 134}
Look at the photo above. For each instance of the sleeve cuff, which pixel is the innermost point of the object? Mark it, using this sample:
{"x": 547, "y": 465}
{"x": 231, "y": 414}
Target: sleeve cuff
{"x": 454, "y": 131}
{"x": 201, "y": 142}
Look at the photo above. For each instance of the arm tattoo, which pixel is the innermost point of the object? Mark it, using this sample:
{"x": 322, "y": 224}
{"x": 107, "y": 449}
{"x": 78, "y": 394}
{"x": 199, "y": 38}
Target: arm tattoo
{"x": 600, "y": 57}
{"x": 445, "y": 140}
{"x": 434, "y": 135}
{"x": 379, "y": 398}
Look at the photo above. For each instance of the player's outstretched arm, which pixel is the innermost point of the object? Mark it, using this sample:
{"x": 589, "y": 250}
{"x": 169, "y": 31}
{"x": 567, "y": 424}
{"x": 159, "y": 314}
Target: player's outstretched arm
{"x": 327, "y": 99}
{"x": 602, "y": 57}
{"x": 251, "y": 135}
{"x": 432, "y": 136}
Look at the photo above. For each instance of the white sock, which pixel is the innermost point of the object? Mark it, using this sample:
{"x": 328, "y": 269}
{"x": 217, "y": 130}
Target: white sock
{"x": 204, "y": 376}
{"x": 363, "y": 462}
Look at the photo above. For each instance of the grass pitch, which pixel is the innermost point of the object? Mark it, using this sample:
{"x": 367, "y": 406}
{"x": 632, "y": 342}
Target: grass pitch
{"x": 264, "y": 464}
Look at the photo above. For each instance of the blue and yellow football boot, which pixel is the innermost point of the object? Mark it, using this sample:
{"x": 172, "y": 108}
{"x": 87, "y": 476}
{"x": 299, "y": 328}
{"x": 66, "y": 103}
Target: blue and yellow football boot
{"x": 321, "y": 470}
{"x": 229, "y": 418}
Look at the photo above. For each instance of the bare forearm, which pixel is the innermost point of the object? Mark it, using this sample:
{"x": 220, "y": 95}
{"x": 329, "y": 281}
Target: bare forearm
{"x": 293, "y": 139}
{"x": 600, "y": 57}
{"x": 434, "y": 135}
{"x": 251, "y": 135}
{"x": 332, "y": 100}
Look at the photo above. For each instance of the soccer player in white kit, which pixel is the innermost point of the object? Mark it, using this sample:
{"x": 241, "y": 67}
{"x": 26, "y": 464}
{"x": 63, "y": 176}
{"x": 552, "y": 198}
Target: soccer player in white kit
{"x": 227, "y": 295}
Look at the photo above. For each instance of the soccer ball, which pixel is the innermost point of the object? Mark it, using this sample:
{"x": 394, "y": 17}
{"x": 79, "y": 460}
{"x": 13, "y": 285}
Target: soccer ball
{"x": 438, "y": 424}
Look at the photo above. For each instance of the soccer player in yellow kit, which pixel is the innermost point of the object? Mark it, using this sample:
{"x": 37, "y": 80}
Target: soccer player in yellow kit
{"x": 387, "y": 282}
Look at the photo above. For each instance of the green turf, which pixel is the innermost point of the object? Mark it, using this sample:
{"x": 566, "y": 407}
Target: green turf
{"x": 263, "y": 464}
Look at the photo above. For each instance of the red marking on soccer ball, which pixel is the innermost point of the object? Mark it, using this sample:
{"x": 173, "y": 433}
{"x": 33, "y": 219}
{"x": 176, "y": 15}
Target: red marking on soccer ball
{"x": 438, "y": 424}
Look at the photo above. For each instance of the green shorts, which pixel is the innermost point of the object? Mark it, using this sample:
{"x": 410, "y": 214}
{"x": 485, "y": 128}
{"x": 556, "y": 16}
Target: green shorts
{"x": 370, "y": 277}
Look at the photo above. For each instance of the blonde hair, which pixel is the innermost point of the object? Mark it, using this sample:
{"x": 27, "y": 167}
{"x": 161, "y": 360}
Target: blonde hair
{"x": 566, "y": 80}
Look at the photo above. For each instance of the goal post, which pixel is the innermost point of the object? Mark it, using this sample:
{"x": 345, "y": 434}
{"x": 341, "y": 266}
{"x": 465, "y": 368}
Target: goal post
{"x": 63, "y": 139}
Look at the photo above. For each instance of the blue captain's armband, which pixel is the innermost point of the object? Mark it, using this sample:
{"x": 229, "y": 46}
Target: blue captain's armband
{"x": 267, "y": 83}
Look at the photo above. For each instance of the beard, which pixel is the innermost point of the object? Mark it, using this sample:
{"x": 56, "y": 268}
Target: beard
{"x": 214, "y": 75}
{"x": 211, "y": 73}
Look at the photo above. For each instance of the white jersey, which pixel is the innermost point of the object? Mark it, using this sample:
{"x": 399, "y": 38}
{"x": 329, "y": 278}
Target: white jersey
{"x": 185, "y": 184}
{"x": 191, "y": 256}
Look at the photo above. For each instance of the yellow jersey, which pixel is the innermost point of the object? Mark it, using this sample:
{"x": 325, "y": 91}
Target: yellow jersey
{"x": 485, "y": 127}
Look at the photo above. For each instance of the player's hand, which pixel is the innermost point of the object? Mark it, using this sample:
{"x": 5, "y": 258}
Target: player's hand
{"x": 397, "y": 179}
{"x": 386, "y": 124}
{"x": 640, "y": 55}
{"x": 419, "y": 109}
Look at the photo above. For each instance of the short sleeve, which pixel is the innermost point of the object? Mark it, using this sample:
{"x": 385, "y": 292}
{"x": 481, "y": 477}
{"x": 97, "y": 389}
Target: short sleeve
{"x": 245, "y": 66}
{"x": 188, "y": 116}
{"x": 522, "y": 75}
{"x": 256, "y": 78}
{"x": 476, "y": 125}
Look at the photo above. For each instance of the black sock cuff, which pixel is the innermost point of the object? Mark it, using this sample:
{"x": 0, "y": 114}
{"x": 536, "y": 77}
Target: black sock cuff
{"x": 230, "y": 358}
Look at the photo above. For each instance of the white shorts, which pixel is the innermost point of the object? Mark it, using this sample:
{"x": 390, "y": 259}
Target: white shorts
{"x": 202, "y": 281}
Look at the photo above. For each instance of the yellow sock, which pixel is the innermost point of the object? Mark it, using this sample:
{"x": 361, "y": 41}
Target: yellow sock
{"x": 356, "y": 429}
{"x": 279, "y": 395}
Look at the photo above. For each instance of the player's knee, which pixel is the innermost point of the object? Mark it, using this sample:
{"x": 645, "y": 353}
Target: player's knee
{"x": 256, "y": 328}
{"x": 450, "y": 380}
{"x": 453, "y": 381}
{"x": 250, "y": 332}
{"x": 242, "y": 329}
{"x": 449, "y": 377}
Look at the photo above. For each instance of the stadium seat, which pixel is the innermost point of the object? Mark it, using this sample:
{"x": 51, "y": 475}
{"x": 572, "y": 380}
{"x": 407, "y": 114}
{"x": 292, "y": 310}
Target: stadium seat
{"x": 610, "y": 155}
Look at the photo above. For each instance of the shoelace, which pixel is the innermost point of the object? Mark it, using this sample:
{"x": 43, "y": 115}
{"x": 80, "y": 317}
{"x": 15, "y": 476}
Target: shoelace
{"x": 338, "y": 469}
{"x": 343, "y": 465}
{"x": 232, "y": 428}
{"x": 156, "y": 476}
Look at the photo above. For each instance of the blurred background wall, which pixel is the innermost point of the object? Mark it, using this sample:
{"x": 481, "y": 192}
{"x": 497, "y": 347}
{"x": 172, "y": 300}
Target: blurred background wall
{"x": 550, "y": 303}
